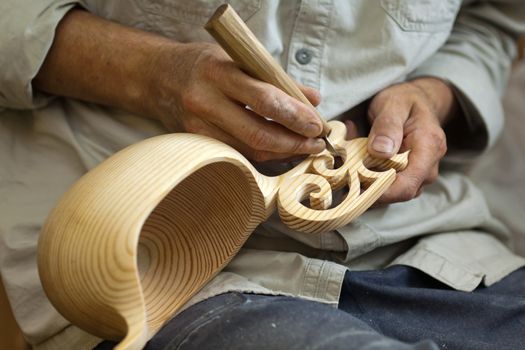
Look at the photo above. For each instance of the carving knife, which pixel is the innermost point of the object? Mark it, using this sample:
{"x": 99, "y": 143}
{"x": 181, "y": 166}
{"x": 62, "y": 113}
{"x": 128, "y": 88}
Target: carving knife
{"x": 230, "y": 31}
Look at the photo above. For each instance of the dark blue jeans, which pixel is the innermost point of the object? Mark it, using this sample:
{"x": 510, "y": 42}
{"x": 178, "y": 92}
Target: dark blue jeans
{"x": 396, "y": 308}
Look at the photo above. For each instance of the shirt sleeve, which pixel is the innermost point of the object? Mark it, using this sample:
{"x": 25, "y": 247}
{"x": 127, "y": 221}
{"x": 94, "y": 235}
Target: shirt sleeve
{"x": 476, "y": 61}
{"x": 27, "y": 29}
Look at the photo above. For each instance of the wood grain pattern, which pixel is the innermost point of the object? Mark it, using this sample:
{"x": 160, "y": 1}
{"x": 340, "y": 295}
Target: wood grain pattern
{"x": 364, "y": 186}
{"x": 182, "y": 205}
{"x": 188, "y": 227}
{"x": 10, "y": 334}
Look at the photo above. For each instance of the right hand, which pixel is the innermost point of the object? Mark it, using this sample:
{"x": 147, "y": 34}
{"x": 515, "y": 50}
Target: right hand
{"x": 197, "y": 88}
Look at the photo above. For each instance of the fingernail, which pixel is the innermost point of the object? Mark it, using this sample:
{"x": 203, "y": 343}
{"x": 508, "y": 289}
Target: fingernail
{"x": 319, "y": 145}
{"x": 383, "y": 144}
{"x": 316, "y": 95}
{"x": 312, "y": 129}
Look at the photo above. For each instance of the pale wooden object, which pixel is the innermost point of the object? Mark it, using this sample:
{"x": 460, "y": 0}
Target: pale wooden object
{"x": 186, "y": 204}
{"x": 10, "y": 335}
{"x": 322, "y": 179}
{"x": 245, "y": 49}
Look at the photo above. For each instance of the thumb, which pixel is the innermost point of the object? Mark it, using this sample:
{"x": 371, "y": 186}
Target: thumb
{"x": 386, "y": 134}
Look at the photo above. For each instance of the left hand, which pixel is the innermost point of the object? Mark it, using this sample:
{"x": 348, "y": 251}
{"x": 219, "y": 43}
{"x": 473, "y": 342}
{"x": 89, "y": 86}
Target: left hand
{"x": 411, "y": 116}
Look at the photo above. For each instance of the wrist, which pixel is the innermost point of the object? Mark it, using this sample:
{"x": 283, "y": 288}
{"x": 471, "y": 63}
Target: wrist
{"x": 440, "y": 96}
{"x": 146, "y": 77}
{"x": 182, "y": 70}
{"x": 168, "y": 72}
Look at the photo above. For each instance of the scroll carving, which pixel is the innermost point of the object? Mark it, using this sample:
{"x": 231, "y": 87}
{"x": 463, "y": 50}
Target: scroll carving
{"x": 321, "y": 179}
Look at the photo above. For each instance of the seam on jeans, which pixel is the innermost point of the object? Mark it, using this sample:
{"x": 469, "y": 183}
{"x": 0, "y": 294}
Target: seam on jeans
{"x": 202, "y": 320}
{"x": 193, "y": 330}
{"x": 216, "y": 315}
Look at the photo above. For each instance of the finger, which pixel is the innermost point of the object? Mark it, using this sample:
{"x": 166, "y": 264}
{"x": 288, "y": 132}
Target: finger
{"x": 388, "y": 116}
{"x": 351, "y": 130}
{"x": 205, "y": 128}
{"x": 422, "y": 166}
{"x": 432, "y": 177}
{"x": 311, "y": 94}
{"x": 270, "y": 102}
{"x": 254, "y": 131}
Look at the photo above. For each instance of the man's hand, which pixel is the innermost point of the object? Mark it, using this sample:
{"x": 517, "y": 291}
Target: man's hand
{"x": 411, "y": 116}
{"x": 192, "y": 87}
{"x": 206, "y": 93}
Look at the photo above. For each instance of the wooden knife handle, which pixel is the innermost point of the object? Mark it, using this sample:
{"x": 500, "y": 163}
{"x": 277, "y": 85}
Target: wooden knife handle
{"x": 246, "y": 50}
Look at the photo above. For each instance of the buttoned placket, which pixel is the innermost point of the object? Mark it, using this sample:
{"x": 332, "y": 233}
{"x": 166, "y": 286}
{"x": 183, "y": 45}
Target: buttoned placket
{"x": 308, "y": 41}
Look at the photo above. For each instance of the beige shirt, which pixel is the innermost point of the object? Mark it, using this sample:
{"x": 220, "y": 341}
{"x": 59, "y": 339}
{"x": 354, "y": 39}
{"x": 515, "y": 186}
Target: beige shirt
{"x": 349, "y": 50}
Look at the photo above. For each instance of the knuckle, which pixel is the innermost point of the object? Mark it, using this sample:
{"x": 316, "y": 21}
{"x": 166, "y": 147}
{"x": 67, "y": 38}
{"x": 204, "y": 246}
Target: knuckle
{"x": 260, "y": 139}
{"x": 267, "y": 104}
{"x": 193, "y": 125}
{"x": 383, "y": 120}
{"x": 433, "y": 175}
{"x": 211, "y": 68}
{"x": 192, "y": 100}
{"x": 388, "y": 123}
{"x": 418, "y": 95}
{"x": 403, "y": 197}
{"x": 296, "y": 147}
{"x": 439, "y": 140}
{"x": 387, "y": 93}
{"x": 290, "y": 114}
{"x": 410, "y": 190}
{"x": 260, "y": 156}
{"x": 443, "y": 148}
{"x": 219, "y": 70}
{"x": 407, "y": 195}
{"x": 208, "y": 65}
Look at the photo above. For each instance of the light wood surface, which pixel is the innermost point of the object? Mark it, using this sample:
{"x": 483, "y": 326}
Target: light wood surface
{"x": 521, "y": 48}
{"x": 364, "y": 186}
{"x": 10, "y": 335}
{"x": 140, "y": 234}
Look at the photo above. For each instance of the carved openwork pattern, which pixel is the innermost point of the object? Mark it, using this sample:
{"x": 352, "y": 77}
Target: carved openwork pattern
{"x": 365, "y": 186}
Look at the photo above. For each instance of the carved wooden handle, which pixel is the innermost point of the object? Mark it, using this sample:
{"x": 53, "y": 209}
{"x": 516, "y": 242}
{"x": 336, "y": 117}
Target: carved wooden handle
{"x": 244, "y": 48}
{"x": 321, "y": 178}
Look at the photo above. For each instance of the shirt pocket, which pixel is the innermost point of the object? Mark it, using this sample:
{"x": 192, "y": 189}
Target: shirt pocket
{"x": 422, "y": 15}
{"x": 195, "y": 11}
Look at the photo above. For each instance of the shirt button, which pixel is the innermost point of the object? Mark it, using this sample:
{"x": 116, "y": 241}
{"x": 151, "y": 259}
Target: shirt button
{"x": 304, "y": 56}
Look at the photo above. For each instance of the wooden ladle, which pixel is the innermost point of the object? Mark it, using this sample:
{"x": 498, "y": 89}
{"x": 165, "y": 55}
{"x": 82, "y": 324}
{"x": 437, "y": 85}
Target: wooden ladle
{"x": 187, "y": 203}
